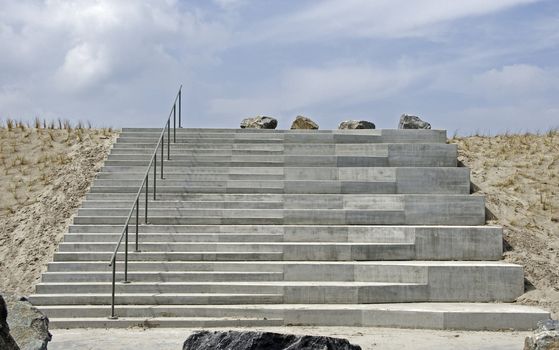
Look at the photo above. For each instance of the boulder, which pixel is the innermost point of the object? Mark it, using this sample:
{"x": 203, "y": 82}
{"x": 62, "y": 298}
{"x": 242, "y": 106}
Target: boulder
{"x": 302, "y": 122}
{"x": 546, "y": 336}
{"x": 259, "y": 122}
{"x": 29, "y": 326}
{"x": 412, "y": 122}
{"x": 356, "y": 124}
{"x": 251, "y": 340}
{"x": 6, "y": 340}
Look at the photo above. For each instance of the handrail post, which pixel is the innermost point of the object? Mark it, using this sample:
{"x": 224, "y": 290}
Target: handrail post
{"x": 168, "y": 139}
{"x": 147, "y": 193}
{"x": 137, "y": 221}
{"x": 155, "y": 174}
{"x": 175, "y": 123}
{"x": 162, "y": 157}
{"x": 126, "y": 256}
{"x": 180, "y": 107}
{"x": 113, "y": 316}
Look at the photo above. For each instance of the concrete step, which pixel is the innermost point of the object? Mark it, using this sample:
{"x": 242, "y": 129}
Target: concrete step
{"x": 190, "y": 176}
{"x": 186, "y": 139}
{"x": 289, "y": 293}
{"x": 135, "y": 170}
{"x": 301, "y": 173}
{"x": 79, "y": 290}
{"x": 306, "y": 136}
{"x": 126, "y": 204}
{"x": 422, "y": 272}
{"x": 452, "y": 204}
{"x": 158, "y": 256}
{"x": 268, "y": 202}
{"x": 289, "y": 251}
{"x": 314, "y": 217}
{"x": 163, "y": 276}
{"x": 379, "y": 233}
{"x": 157, "y": 299}
{"x": 434, "y": 243}
{"x": 237, "y": 288}
{"x": 393, "y": 150}
{"x": 175, "y": 237}
{"x": 463, "y": 211}
{"x": 149, "y": 147}
{"x": 282, "y": 186}
{"x": 198, "y": 150}
{"x": 415, "y": 158}
{"x": 430, "y": 242}
{"x": 293, "y": 251}
{"x": 465, "y": 316}
{"x": 307, "y": 282}
{"x": 165, "y": 321}
{"x": 354, "y": 200}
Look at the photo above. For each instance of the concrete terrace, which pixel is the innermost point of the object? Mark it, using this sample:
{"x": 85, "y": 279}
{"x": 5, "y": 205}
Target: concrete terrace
{"x": 264, "y": 228}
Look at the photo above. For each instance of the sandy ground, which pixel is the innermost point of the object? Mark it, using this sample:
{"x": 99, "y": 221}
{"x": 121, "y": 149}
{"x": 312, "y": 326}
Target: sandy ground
{"x": 519, "y": 174}
{"x": 44, "y": 175}
{"x": 367, "y": 338}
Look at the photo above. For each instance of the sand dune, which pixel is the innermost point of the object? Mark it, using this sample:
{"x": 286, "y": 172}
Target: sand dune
{"x": 519, "y": 174}
{"x": 44, "y": 175}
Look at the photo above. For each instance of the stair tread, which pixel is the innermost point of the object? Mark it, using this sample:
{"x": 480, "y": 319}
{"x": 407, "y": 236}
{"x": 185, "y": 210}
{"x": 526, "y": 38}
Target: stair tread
{"x": 430, "y": 306}
{"x": 258, "y": 283}
{"x": 298, "y": 262}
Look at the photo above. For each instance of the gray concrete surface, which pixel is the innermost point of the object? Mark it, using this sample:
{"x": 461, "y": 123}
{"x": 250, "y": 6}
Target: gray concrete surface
{"x": 367, "y": 338}
{"x": 274, "y": 228}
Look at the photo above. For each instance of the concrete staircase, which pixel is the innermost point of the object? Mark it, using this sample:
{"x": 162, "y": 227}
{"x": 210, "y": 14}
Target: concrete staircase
{"x": 269, "y": 228}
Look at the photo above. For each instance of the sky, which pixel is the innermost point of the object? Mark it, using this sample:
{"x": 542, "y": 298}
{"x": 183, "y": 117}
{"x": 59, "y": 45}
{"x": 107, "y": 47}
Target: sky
{"x": 466, "y": 66}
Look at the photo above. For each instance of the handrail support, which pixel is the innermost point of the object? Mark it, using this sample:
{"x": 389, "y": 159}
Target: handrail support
{"x": 137, "y": 250}
{"x": 145, "y": 186}
{"x": 126, "y": 256}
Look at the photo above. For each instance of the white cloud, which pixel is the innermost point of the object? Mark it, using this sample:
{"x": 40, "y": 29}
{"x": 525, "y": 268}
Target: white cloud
{"x": 84, "y": 66}
{"x": 365, "y": 18}
{"x": 107, "y": 51}
{"x": 230, "y": 4}
{"x": 513, "y": 81}
{"x": 344, "y": 84}
{"x": 302, "y": 89}
{"x": 520, "y": 116}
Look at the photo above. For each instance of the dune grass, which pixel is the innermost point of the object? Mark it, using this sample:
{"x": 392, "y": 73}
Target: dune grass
{"x": 519, "y": 175}
{"x": 45, "y": 171}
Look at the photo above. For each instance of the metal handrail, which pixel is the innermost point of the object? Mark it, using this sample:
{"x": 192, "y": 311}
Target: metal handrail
{"x": 145, "y": 184}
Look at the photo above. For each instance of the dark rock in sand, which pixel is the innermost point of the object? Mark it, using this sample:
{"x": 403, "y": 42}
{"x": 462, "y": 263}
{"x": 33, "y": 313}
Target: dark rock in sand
{"x": 28, "y": 326}
{"x": 6, "y": 340}
{"x": 546, "y": 336}
{"x": 233, "y": 340}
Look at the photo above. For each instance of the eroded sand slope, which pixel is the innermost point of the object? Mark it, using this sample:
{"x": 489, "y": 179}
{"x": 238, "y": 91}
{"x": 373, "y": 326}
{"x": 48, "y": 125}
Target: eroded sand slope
{"x": 44, "y": 175}
{"x": 519, "y": 174}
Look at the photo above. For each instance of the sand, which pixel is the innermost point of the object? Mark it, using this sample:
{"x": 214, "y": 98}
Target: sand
{"x": 519, "y": 175}
{"x": 367, "y": 338}
{"x": 44, "y": 176}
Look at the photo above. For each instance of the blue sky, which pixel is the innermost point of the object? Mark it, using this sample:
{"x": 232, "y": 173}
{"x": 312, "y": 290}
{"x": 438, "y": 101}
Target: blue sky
{"x": 468, "y": 65}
